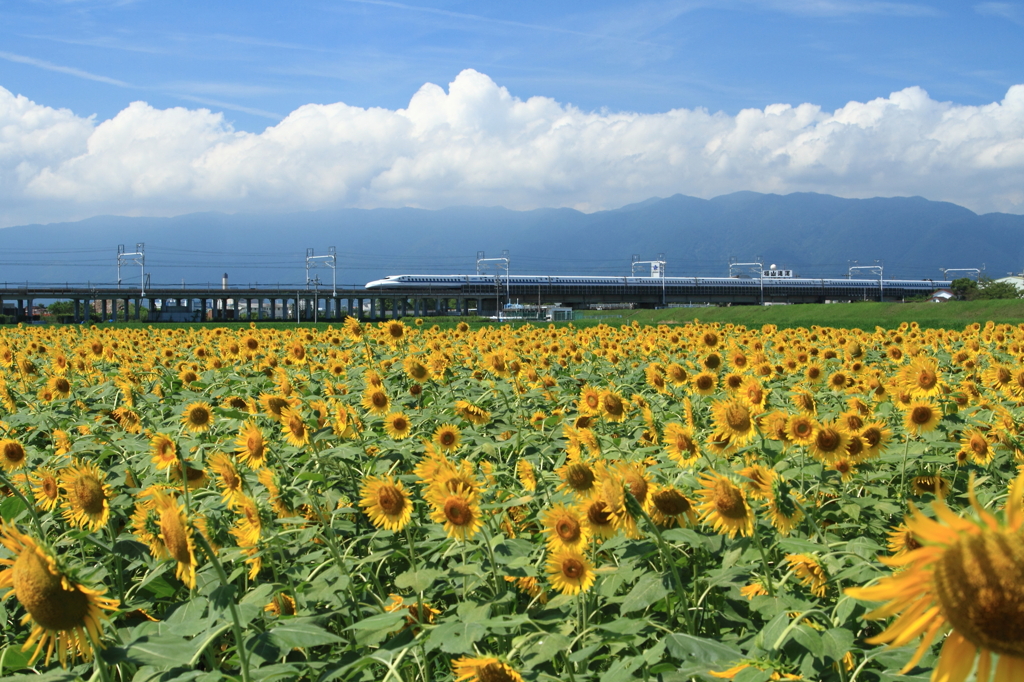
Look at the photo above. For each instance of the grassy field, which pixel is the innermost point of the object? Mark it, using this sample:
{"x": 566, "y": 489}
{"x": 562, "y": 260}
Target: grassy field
{"x": 865, "y": 315}
{"x": 951, "y": 315}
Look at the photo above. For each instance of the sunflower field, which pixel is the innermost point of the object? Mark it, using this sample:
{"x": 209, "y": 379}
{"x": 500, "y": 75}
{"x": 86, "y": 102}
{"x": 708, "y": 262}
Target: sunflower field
{"x": 399, "y": 502}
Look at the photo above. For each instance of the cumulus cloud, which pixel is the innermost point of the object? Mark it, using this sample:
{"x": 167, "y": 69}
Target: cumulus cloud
{"x": 477, "y": 144}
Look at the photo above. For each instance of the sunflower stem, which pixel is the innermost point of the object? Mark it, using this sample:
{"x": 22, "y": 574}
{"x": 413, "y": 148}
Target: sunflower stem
{"x": 764, "y": 562}
{"x": 236, "y": 626}
{"x": 28, "y": 506}
{"x": 903, "y": 469}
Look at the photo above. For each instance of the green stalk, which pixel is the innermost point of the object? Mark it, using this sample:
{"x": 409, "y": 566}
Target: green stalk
{"x": 29, "y": 506}
{"x": 764, "y": 561}
{"x": 236, "y": 627}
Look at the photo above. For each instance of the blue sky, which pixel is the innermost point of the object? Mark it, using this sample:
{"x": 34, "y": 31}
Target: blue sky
{"x": 257, "y": 62}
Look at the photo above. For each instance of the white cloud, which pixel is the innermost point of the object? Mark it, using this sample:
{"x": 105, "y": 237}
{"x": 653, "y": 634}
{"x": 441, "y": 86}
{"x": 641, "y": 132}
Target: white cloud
{"x": 476, "y": 144}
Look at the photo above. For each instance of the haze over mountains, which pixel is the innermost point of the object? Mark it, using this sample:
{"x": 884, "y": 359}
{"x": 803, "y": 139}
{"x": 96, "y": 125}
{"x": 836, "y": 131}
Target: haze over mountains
{"x": 815, "y": 234}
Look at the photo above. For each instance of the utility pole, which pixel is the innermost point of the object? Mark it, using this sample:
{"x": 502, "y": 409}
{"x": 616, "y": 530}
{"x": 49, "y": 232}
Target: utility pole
{"x": 137, "y": 258}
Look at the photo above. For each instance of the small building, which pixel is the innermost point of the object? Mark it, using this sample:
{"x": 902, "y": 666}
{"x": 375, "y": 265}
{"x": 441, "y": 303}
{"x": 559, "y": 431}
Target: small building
{"x": 1015, "y": 280}
{"x": 941, "y": 296}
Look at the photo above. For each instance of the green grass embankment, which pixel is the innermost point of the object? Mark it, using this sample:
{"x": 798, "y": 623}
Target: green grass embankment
{"x": 949, "y": 315}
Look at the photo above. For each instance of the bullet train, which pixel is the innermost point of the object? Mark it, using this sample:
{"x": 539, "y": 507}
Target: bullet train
{"x": 781, "y": 285}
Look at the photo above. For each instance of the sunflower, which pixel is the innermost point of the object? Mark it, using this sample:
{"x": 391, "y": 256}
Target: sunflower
{"x": 197, "y": 417}
{"x": 921, "y": 416}
{"x": 459, "y": 511}
{"x": 176, "y": 536}
{"x": 415, "y": 370}
{"x": 128, "y": 419}
{"x": 45, "y": 484}
{"x": 397, "y": 425}
{"x": 376, "y": 401}
{"x": 354, "y": 328}
{"x": 394, "y": 331}
{"x": 12, "y": 455}
{"x": 448, "y": 437}
{"x": 274, "y": 404}
{"x": 613, "y": 407}
{"x": 782, "y": 506}
{"x": 902, "y": 540}
{"x": 386, "y": 502}
{"x": 724, "y": 505}
{"x": 474, "y": 414}
{"x": 251, "y": 446}
{"x": 977, "y": 446}
{"x": 876, "y": 437}
{"x": 590, "y": 401}
{"x": 680, "y": 444}
{"x": 577, "y": 478}
{"x": 485, "y": 669}
{"x": 930, "y": 485}
{"x": 733, "y": 418}
{"x": 196, "y": 477}
{"x": 967, "y": 579}
{"x": 801, "y": 429}
{"x": 829, "y": 443}
{"x": 281, "y": 604}
{"x": 526, "y": 474}
{"x": 676, "y": 374}
{"x": 569, "y": 571}
{"x": 597, "y": 518}
{"x": 810, "y": 573}
{"x": 228, "y": 478}
{"x": 87, "y": 503}
{"x": 705, "y": 383}
{"x": 249, "y": 524}
{"x": 59, "y": 386}
{"x": 670, "y": 507}
{"x": 921, "y": 377}
{"x": 564, "y": 528}
{"x": 65, "y": 614}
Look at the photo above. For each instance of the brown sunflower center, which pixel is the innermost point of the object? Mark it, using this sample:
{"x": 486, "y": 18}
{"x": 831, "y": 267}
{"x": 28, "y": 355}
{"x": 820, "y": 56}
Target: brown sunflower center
{"x": 458, "y": 511}
{"x": 612, "y": 404}
{"x": 568, "y": 529}
{"x": 175, "y": 538}
{"x": 49, "y": 487}
{"x": 13, "y": 453}
{"x": 44, "y": 596}
{"x": 921, "y": 415}
{"x": 979, "y": 445}
{"x": 199, "y": 416}
{"x": 729, "y": 501}
{"x": 671, "y": 502}
{"x": 579, "y": 476}
{"x": 872, "y": 436}
{"x": 62, "y": 385}
{"x": 980, "y": 585}
{"x": 598, "y": 515}
{"x": 705, "y": 382}
{"x": 573, "y": 568}
{"x": 89, "y": 492}
{"x": 447, "y": 438}
{"x": 637, "y": 486}
{"x": 297, "y": 426}
{"x": 392, "y": 501}
{"x": 400, "y": 424}
{"x": 737, "y": 417}
{"x": 926, "y": 379}
{"x": 493, "y": 672}
{"x": 828, "y": 439}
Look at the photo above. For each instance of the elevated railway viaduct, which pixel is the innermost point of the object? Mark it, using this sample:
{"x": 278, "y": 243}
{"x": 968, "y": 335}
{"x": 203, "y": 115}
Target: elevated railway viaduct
{"x": 296, "y": 302}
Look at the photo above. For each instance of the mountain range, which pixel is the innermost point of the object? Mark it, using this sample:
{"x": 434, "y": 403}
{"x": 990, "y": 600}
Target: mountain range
{"x": 816, "y": 235}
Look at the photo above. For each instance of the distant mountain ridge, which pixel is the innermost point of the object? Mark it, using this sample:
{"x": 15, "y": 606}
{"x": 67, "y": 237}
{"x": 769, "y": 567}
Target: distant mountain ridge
{"x": 816, "y": 235}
